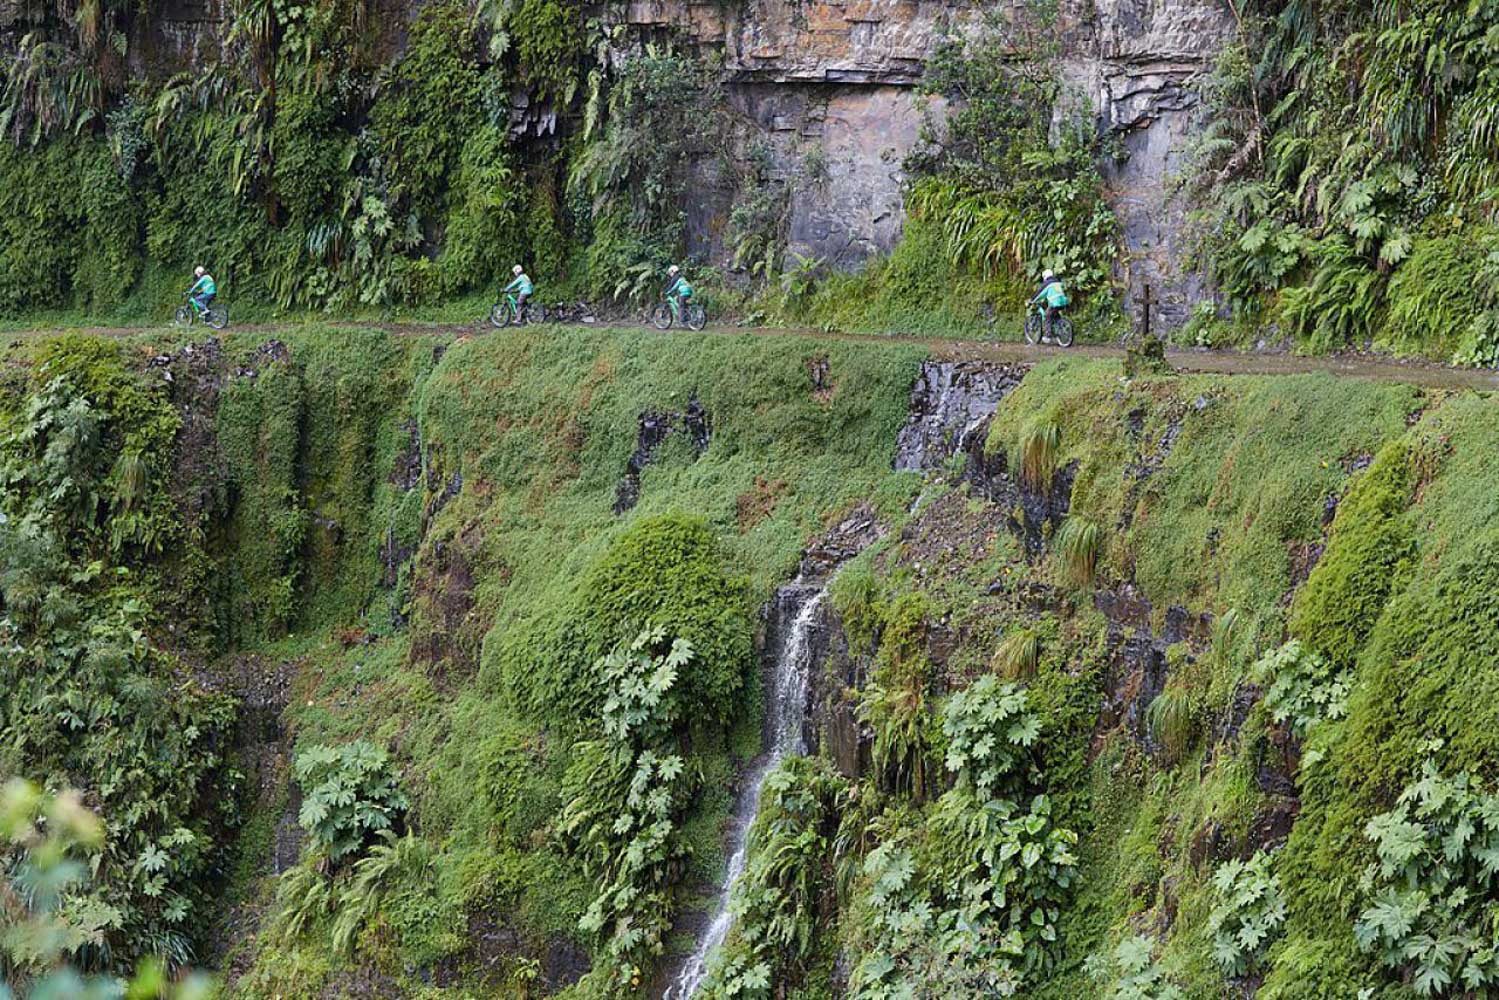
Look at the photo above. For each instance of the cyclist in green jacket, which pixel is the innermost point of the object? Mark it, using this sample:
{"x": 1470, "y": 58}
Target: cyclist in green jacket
{"x": 203, "y": 290}
{"x": 522, "y": 288}
{"x": 677, "y": 287}
{"x": 1054, "y": 297}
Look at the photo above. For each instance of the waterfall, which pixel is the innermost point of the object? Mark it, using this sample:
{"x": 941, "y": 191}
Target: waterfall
{"x": 785, "y": 718}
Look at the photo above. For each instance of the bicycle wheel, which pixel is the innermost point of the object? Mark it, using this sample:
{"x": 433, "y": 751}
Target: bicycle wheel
{"x": 1032, "y": 329}
{"x": 184, "y": 316}
{"x": 661, "y": 317}
{"x": 217, "y": 317}
{"x": 1061, "y": 329}
{"x": 697, "y": 316}
{"x": 536, "y": 313}
{"x": 501, "y": 315}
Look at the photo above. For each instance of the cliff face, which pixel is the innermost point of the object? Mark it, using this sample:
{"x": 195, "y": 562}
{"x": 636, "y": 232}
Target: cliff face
{"x": 825, "y": 92}
{"x": 840, "y": 76}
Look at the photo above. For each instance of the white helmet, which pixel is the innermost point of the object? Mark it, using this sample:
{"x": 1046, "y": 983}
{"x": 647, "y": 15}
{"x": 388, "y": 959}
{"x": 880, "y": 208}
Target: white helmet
{"x": 1047, "y": 274}
{"x": 673, "y": 269}
{"x": 517, "y": 269}
{"x": 198, "y": 272}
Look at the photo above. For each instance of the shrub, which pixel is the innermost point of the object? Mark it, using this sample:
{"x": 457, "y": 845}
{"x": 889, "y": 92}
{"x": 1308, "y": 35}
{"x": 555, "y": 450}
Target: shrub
{"x": 988, "y": 729}
{"x": 350, "y": 794}
{"x": 665, "y": 572}
{"x": 775, "y": 903}
{"x": 1249, "y": 912}
{"x": 1130, "y": 972}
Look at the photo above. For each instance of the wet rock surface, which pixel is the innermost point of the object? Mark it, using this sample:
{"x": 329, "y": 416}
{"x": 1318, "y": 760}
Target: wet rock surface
{"x": 951, "y": 402}
{"x": 653, "y": 430}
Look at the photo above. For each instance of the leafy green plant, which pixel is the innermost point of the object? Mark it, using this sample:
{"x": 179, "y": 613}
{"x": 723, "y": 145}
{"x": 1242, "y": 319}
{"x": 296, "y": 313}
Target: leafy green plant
{"x": 1304, "y": 687}
{"x": 625, "y": 793}
{"x": 988, "y": 728}
{"x": 776, "y": 900}
{"x": 350, "y": 795}
{"x": 1249, "y": 912}
{"x": 1079, "y": 542}
{"x": 1130, "y": 972}
{"x": 1433, "y": 890}
{"x": 46, "y": 920}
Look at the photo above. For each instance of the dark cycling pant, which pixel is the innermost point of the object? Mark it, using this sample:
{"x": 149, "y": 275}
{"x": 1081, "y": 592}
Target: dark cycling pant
{"x": 520, "y": 302}
{"x": 1051, "y": 315}
{"x": 203, "y": 301}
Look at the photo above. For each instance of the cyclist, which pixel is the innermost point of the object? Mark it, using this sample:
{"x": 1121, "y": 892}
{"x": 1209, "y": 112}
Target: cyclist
{"x": 522, "y": 288}
{"x": 203, "y": 290}
{"x": 1055, "y": 299}
{"x": 677, "y": 288}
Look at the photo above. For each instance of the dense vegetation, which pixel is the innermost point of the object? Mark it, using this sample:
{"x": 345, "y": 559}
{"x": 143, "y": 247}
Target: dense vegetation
{"x": 1351, "y": 177}
{"x": 511, "y": 715}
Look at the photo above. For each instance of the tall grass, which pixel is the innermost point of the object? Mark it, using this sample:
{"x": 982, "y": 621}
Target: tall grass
{"x": 1079, "y": 543}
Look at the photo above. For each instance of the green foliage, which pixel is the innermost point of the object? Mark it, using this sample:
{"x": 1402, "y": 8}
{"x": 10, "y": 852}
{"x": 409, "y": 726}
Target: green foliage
{"x": 1249, "y": 912}
{"x": 1079, "y": 542}
{"x": 660, "y": 107}
{"x": 86, "y": 696}
{"x": 259, "y": 423}
{"x": 1346, "y": 206}
{"x": 1010, "y": 193}
{"x": 776, "y": 900}
{"x": 1130, "y": 972}
{"x": 663, "y": 573}
{"x": 625, "y": 795}
{"x": 349, "y": 795}
{"x": 47, "y": 921}
{"x": 894, "y": 704}
{"x": 1366, "y": 559}
{"x": 1172, "y": 720}
{"x": 1304, "y": 687}
{"x": 988, "y": 730}
{"x": 979, "y": 915}
{"x": 1433, "y": 890}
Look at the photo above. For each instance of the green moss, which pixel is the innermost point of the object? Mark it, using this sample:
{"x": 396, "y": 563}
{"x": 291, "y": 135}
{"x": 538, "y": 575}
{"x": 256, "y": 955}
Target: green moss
{"x": 1366, "y": 559}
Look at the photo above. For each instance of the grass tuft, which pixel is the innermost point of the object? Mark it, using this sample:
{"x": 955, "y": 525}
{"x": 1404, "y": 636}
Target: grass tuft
{"x": 1079, "y": 543}
{"x": 1040, "y": 442}
{"x": 1018, "y": 656}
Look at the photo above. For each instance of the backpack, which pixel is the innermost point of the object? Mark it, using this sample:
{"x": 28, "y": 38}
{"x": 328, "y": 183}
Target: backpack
{"x": 1055, "y": 297}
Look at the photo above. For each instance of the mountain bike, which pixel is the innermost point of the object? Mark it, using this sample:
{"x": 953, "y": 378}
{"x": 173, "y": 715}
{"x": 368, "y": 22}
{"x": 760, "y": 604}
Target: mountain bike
{"x": 508, "y": 311}
{"x": 670, "y": 311}
{"x": 1035, "y": 329}
{"x": 216, "y": 315}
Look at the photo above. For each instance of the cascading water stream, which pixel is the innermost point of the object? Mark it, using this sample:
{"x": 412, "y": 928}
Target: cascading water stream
{"x": 785, "y": 715}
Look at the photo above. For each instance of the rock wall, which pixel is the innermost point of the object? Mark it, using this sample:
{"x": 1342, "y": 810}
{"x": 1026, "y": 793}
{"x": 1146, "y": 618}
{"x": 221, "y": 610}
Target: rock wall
{"x": 840, "y": 76}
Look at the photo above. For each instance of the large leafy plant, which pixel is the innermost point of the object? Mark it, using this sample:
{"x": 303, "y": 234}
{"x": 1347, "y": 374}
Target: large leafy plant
{"x": 350, "y": 794}
{"x": 625, "y": 792}
{"x": 1305, "y": 688}
{"x": 1249, "y": 912}
{"x": 1435, "y": 887}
